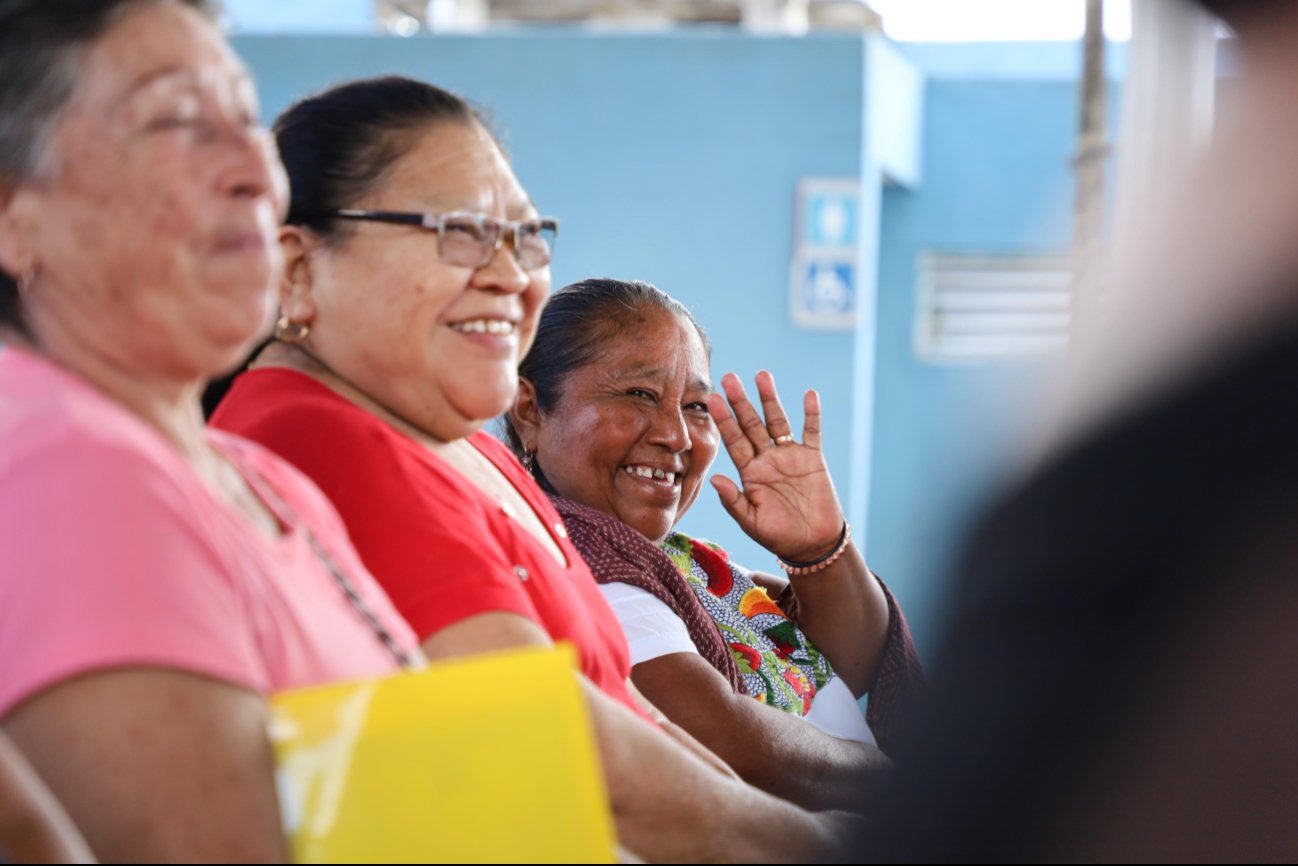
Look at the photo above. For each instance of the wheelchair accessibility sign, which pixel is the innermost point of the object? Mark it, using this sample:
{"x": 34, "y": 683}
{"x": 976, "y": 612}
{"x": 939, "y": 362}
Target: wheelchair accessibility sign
{"x": 822, "y": 275}
{"x": 828, "y": 289}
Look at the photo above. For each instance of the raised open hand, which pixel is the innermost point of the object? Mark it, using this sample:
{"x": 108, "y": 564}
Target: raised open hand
{"x": 787, "y": 501}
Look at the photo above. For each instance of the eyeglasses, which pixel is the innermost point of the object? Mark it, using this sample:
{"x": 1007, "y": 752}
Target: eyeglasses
{"x": 470, "y": 240}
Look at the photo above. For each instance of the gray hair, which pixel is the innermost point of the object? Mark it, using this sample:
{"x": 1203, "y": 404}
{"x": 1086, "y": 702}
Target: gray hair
{"x": 42, "y": 43}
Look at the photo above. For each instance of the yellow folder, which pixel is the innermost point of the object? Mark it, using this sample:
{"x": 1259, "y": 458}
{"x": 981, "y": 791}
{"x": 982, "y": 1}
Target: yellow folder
{"x": 489, "y": 758}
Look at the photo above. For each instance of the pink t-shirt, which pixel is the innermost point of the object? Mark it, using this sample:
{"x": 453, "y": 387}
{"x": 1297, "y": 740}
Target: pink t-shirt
{"x": 115, "y": 553}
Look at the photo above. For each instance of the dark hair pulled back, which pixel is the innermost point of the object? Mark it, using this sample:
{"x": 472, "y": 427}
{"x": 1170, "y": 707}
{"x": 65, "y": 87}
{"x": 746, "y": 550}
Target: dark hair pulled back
{"x": 340, "y": 144}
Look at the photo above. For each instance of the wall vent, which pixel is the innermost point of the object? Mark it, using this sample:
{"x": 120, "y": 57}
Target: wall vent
{"x": 974, "y": 309}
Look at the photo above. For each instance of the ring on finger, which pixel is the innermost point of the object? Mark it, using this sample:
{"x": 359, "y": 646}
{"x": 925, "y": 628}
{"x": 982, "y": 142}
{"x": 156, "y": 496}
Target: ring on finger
{"x": 786, "y": 439}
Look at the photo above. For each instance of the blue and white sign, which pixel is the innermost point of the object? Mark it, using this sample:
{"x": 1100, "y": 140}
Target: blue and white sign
{"x": 823, "y": 273}
{"x": 831, "y": 219}
{"x": 829, "y": 288}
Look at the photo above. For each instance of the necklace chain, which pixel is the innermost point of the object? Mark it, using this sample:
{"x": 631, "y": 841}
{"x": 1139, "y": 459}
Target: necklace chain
{"x": 358, "y": 604}
{"x": 322, "y": 554}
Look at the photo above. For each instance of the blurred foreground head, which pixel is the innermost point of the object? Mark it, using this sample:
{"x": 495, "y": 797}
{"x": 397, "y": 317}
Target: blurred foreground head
{"x": 139, "y": 196}
{"x": 1116, "y": 678}
{"x": 1213, "y": 258}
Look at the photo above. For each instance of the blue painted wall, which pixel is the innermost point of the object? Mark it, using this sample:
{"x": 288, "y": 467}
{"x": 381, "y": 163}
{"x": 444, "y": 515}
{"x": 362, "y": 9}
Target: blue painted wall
{"x": 999, "y": 134}
{"x": 670, "y": 158}
{"x": 996, "y": 181}
{"x": 1010, "y": 61}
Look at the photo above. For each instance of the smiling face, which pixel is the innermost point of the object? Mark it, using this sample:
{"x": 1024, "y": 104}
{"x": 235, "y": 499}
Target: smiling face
{"x": 434, "y": 343}
{"x": 152, "y": 226}
{"x": 631, "y": 435}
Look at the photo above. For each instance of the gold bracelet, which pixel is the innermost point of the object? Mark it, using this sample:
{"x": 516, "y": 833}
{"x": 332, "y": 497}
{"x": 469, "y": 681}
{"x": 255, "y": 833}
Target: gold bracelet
{"x": 795, "y": 569}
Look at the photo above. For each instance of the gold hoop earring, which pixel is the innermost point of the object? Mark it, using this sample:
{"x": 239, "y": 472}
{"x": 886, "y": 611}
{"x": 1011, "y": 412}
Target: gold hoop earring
{"x": 289, "y": 331}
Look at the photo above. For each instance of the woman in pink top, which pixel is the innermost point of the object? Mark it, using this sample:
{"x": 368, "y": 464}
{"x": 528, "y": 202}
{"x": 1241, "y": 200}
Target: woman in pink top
{"x": 156, "y": 580}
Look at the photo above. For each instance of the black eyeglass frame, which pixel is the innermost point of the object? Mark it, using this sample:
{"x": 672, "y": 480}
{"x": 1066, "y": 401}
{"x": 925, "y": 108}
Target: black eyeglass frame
{"x": 436, "y": 222}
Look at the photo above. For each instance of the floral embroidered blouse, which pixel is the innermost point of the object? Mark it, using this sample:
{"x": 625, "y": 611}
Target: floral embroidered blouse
{"x": 780, "y": 666}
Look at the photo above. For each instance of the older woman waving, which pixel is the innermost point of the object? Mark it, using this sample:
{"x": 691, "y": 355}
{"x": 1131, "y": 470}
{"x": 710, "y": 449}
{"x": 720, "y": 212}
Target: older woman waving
{"x": 157, "y": 580}
{"x": 617, "y": 420}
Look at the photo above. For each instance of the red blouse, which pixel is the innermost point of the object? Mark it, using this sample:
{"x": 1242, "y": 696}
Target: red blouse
{"x": 442, "y": 548}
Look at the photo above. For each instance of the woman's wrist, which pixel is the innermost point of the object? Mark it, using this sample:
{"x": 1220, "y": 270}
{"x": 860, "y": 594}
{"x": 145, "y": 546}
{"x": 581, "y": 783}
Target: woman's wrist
{"x": 797, "y": 567}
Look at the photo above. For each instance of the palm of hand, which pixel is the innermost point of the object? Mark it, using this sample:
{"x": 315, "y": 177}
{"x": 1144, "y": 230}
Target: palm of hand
{"x": 792, "y": 507}
{"x": 787, "y": 501}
